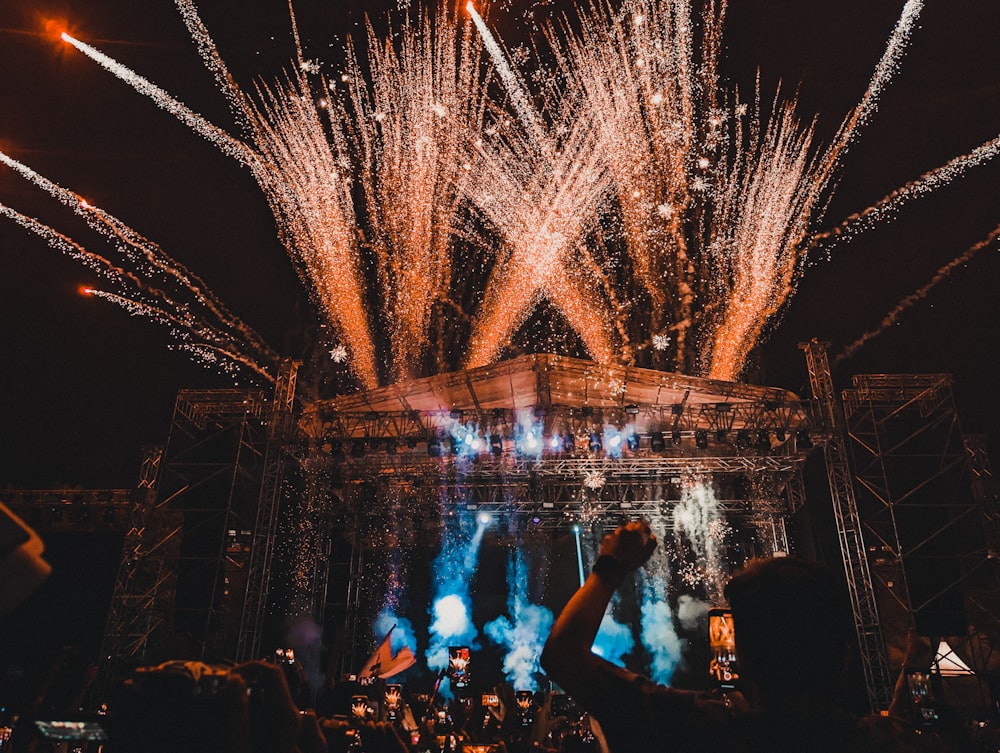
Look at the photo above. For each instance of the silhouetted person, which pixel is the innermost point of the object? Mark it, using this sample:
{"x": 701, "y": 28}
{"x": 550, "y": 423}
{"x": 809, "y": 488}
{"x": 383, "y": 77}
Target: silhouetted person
{"x": 793, "y": 635}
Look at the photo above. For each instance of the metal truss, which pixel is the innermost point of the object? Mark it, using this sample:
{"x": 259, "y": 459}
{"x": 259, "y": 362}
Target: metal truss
{"x": 773, "y": 417}
{"x": 181, "y": 580}
{"x": 280, "y": 426}
{"x": 915, "y": 488}
{"x": 131, "y": 618}
{"x": 71, "y": 510}
{"x": 861, "y": 590}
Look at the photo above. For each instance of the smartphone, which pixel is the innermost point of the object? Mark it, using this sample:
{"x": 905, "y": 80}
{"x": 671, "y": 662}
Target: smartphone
{"x": 723, "y": 668}
{"x": 393, "y": 702}
{"x": 71, "y": 730}
{"x": 359, "y": 708}
{"x": 491, "y": 701}
{"x": 524, "y": 704}
{"x": 458, "y": 666}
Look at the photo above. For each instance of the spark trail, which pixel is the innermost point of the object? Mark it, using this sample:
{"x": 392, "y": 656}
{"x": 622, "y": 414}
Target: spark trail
{"x": 150, "y": 283}
{"x": 540, "y": 194}
{"x": 886, "y": 208}
{"x": 621, "y": 181}
{"x": 413, "y": 122}
{"x": 920, "y": 294}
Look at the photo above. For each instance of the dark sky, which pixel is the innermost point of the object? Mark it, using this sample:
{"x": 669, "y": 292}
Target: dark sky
{"x": 84, "y": 385}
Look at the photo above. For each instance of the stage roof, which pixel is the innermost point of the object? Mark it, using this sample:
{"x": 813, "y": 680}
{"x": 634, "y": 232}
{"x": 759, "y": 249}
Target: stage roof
{"x": 546, "y": 381}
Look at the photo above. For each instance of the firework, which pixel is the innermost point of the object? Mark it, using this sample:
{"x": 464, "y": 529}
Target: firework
{"x": 665, "y": 216}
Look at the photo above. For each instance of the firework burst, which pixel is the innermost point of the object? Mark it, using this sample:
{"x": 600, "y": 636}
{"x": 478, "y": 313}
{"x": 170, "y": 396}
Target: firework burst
{"x": 665, "y": 216}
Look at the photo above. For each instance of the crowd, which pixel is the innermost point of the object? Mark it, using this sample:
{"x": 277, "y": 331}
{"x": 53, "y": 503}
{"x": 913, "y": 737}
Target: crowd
{"x": 264, "y": 707}
{"x": 784, "y": 692}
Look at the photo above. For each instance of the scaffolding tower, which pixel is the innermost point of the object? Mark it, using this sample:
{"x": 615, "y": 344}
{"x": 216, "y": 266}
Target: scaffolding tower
{"x": 860, "y": 586}
{"x": 179, "y": 586}
{"x": 913, "y": 473}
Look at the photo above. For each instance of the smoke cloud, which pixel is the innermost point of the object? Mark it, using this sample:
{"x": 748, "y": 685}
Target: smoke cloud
{"x": 524, "y": 632}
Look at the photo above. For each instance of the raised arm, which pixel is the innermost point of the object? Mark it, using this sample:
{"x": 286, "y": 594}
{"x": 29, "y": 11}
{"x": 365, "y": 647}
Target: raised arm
{"x": 567, "y": 657}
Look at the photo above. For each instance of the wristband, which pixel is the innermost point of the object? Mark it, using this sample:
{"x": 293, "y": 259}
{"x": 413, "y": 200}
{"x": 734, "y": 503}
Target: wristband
{"x": 606, "y": 564}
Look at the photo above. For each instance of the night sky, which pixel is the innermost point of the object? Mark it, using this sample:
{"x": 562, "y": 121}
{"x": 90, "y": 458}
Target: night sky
{"x": 84, "y": 385}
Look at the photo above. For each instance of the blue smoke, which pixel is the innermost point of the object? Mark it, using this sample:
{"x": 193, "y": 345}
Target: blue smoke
{"x": 613, "y": 640}
{"x": 451, "y": 607}
{"x": 403, "y": 635}
{"x": 658, "y": 634}
{"x": 524, "y": 632}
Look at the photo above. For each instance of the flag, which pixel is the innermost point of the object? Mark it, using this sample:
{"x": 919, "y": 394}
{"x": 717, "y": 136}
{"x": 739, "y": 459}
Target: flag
{"x": 383, "y": 664}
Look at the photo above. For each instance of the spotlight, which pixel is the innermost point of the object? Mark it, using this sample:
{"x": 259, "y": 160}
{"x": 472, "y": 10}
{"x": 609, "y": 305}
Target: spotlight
{"x": 586, "y": 411}
{"x": 434, "y": 446}
{"x": 596, "y": 444}
{"x": 485, "y": 518}
{"x": 576, "y": 528}
{"x": 456, "y": 415}
{"x": 656, "y": 442}
{"x": 675, "y": 437}
{"x": 779, "y": 434}
{"x": 802, "y": 440}
{"x": 677, "y": 409}
{"x": 632, "y": 410}
{"x": 632, "y": 441}
{"x": 701, "y": 439}
{"x": 496, "y": 444}
{"x": 743, "y": 439}
{"x": 720, "y": 434}
{"x": 763, "y": 441}
{"x": 569, "y": 443}
{"x": 358, "y": 448}
{"x": 554, "y": 443}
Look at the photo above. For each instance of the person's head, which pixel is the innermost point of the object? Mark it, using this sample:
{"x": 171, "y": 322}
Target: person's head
{"x": 793, "y": 627}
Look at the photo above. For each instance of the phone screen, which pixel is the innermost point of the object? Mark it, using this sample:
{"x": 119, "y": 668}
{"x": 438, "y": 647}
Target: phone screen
{"x": 71, "y": 730}
{"x": 458, "y": 666}
{"x": 723, "y": 670}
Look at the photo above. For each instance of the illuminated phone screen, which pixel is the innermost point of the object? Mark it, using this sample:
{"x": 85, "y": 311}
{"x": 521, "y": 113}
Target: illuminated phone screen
{"x": 723, "y": 670}
{"x": 458, "y": 666}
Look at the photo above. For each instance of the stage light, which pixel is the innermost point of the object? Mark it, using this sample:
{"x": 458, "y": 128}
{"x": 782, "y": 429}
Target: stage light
{"x": 763, "y": 441}
{"x": 677, "y": 409}
{"x": 358, "y": 448}
{"x": 569, "y": 443}
{"x": 576, "y": 528}
{"x": 496, "y": 444}
{"x": 675, "y": 437}
{"x": 701, "y": 439}
{"x": 632, "y": 410}
{"x": 596, "y": 444}
{"x": 554, "y": 442}
{"x": 743, "y": 439}
{"x": 802, "y": 440}
{"x": 434, "y": 446}
{"x": 586, "y": 411}
{"x": 720, "y": 435}
{"x": 632, "y": 441}
{"x": 456, "y": 415}
{"x": 656, "y": 442}
{"x": 779, "y": 434}
{"x": 536, "y": 520}
{"x": 485, "y": 518}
